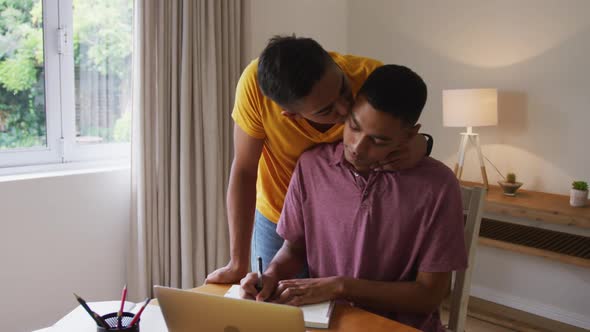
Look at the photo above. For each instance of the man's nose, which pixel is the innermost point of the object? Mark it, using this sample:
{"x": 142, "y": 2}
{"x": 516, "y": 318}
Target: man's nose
{"x": 358, "y": 147}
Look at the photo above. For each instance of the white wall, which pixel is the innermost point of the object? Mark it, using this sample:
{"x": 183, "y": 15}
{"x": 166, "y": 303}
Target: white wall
{"x": 534, "y": 51}
{"x": 59, "y": 235}
{"x": 537, "y": 285}
{"x": 324, "y": 20}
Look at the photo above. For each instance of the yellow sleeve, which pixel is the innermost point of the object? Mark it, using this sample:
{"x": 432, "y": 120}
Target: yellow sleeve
{"x": 359, "y": 68}
{"x": 247, "y": 106}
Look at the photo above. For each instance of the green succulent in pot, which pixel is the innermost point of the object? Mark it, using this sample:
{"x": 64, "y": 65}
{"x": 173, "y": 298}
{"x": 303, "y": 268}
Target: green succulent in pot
{"x": 509, "y": 185}
{"x": 579, "y": 194}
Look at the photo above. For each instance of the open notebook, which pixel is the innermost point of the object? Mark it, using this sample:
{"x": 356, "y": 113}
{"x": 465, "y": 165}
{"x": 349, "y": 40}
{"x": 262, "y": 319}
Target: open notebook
{"x": 78, "y": 319}
{"x": 315, "y": 315}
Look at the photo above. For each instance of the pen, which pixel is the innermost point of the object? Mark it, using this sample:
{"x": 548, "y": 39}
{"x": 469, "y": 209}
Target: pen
{"x": 260, "y": 283}
{"x": 99, "y": 320}
{"x": 136, "y": 317}
{"x": 120, "y": 313}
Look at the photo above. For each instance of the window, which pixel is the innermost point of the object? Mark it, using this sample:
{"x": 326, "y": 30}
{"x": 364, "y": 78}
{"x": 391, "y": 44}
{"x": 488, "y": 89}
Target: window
{"x": 65, "y": 80}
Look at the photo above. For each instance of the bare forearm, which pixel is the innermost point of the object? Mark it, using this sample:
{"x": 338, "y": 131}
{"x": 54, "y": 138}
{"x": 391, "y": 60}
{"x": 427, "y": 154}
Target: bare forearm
{"x": 241, "y": 203}
{"x": 287, "y": 263}
{"x": 393, "y": 296}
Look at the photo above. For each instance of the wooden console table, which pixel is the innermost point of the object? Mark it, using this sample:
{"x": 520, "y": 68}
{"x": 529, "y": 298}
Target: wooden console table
{"x": 500, "y": 210}
{"x": 539, "y": 206}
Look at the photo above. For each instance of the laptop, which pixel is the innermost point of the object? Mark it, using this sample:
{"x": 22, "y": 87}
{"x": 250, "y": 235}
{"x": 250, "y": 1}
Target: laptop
{"x": 186, "y": 311}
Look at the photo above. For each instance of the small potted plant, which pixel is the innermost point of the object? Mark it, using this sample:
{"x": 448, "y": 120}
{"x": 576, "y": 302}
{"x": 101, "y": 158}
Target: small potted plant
{"x": 509, "y": 185}
{"x": 579, "y": 194}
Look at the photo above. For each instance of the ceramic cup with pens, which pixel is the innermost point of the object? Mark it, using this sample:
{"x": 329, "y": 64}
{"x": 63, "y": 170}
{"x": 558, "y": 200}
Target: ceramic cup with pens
{"x": 111, "y": 320}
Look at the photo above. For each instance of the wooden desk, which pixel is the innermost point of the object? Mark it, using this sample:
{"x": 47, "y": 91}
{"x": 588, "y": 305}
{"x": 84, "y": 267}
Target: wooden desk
{"x": 345, "y": 318}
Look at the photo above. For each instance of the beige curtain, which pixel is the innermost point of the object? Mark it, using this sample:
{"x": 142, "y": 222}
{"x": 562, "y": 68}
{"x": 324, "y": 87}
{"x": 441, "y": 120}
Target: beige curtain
{"x": 187, "y": 66}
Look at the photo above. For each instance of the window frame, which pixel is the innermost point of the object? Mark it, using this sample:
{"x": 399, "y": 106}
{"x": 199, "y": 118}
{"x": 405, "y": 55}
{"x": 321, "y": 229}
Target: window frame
{"x": 60, "y": 110}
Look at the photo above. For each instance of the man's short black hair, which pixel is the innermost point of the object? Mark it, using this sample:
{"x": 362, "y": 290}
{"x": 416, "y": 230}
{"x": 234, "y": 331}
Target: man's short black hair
{"x": 396, "y": 90}
{"x": 289, "y": 66}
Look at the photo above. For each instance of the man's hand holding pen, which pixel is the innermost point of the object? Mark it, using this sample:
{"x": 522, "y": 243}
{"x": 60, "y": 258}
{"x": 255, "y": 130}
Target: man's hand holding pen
{"x": 250, "y": 283}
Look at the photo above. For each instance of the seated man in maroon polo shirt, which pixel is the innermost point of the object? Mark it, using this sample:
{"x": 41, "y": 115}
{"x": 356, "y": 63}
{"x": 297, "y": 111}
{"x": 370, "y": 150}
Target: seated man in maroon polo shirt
{"x": 385, "y": 241}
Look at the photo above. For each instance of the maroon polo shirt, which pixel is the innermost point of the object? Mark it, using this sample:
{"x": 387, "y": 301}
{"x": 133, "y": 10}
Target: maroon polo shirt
{"x": 386, "y": 227}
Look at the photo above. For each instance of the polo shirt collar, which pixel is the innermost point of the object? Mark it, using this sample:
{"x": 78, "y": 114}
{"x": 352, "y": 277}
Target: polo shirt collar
{"x": 337, "y": 158}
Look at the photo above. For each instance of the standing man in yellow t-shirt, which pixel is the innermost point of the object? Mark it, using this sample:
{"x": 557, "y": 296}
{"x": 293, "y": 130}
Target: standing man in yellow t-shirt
{"x": 296, "y": 95}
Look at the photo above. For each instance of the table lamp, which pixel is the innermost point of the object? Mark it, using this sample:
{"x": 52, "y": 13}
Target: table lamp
{"x": 470, "y": 108}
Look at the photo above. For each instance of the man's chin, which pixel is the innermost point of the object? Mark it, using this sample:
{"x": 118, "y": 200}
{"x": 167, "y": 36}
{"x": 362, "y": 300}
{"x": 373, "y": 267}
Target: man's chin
{"x": 359, "y": 166}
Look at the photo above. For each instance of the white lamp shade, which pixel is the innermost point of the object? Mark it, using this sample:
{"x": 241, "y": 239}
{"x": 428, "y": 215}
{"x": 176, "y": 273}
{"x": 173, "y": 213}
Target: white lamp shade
{"x": 470, "y": 107}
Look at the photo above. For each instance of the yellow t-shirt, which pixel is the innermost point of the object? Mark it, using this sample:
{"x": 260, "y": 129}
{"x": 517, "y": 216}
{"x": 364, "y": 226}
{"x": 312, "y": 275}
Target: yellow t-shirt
{"x": 285, "y": 139}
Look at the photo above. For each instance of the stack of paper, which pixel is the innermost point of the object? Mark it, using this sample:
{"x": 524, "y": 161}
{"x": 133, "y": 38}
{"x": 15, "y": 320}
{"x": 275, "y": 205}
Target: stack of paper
{"x": 315, "y": 315}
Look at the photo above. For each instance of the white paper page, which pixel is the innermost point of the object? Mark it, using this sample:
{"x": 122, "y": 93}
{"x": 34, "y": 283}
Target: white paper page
{"x": 315, "y": 315}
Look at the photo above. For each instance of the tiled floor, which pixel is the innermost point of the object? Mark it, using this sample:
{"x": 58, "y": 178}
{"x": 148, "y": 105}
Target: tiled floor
{"x": 476, "y": 325}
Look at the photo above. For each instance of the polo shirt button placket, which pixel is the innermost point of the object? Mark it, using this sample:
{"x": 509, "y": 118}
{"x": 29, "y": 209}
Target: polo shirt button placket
{"x": 364, "y": 195}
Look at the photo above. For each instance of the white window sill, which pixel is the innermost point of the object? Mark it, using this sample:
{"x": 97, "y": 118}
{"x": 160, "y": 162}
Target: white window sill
{"x": 52, "y": 170}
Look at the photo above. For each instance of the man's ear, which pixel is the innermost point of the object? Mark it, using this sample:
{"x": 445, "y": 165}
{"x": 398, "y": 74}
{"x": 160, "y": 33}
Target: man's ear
{"x": 290, "y": 115}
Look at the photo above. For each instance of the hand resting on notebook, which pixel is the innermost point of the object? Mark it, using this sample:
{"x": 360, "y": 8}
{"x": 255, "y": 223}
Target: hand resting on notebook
{"x": 292, "y": 292}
